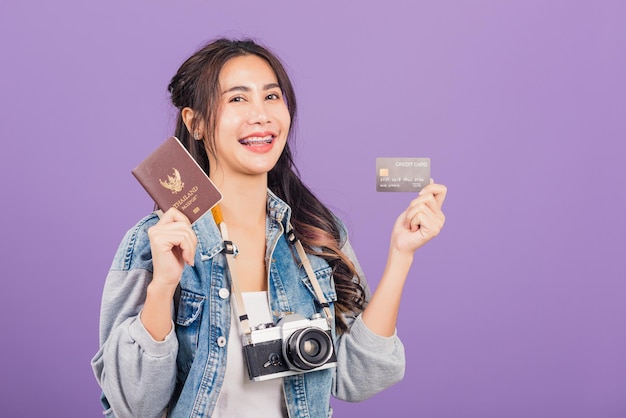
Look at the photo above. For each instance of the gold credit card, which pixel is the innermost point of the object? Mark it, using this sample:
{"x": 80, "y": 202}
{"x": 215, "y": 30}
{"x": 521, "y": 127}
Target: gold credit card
{"x": 402, "y": 174}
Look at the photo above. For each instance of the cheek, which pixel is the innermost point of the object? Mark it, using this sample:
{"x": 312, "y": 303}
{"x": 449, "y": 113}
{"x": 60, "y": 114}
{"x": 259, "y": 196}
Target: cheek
{"x": 285, "y": 119}
{"x": 228, "y": 122}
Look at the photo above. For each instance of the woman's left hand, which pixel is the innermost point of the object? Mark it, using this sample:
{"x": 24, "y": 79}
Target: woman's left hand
{"x": 417, "y": 225}
{"x": 421, "y": 221}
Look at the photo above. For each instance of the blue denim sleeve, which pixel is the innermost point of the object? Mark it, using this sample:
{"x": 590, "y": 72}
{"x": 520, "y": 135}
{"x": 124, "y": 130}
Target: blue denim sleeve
{"x": 136, "y": 373}
{"x": 367, "y": 363}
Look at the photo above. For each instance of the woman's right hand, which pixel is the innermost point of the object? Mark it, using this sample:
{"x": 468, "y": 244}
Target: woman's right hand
{"x": 173, "y": 243}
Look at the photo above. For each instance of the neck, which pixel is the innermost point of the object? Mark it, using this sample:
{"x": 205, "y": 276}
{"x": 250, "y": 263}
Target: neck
{"x": 244, "y": 201}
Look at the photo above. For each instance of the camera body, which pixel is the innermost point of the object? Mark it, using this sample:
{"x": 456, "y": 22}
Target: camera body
{"x": 294, "y": 345}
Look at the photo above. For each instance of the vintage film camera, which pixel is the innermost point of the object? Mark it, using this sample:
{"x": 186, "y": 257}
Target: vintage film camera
{"x": 294, "y": 345}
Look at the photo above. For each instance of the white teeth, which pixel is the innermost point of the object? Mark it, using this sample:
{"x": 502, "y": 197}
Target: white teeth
{"x": 257, "y": 140}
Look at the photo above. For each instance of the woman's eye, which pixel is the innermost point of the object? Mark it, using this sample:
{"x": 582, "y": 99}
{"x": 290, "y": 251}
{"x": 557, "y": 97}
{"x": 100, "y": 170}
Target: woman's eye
{"x": 237, "y": 99}
{"x": 273, "y": 96}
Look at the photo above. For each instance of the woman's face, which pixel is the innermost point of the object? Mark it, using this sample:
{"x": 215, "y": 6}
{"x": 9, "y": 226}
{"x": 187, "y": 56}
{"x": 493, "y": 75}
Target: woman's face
{"x": 252, "y": 121}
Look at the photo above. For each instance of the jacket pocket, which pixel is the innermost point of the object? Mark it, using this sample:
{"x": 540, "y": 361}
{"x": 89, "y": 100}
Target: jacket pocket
{"x": 324, "y": 276}
{"x": 188, "y": 321}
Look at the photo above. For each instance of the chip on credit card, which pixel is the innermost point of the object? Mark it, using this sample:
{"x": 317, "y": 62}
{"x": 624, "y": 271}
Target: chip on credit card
{"x": 402, "y": 174}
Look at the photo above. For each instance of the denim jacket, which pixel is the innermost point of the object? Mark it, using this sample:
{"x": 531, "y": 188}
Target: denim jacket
{"x": 182, "y": 375}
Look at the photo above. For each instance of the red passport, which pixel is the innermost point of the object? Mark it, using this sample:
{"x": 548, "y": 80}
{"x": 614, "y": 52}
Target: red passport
{"x": 173, "y": 178}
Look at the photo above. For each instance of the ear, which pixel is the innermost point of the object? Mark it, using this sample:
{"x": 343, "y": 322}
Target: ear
{"x": 188, "y": 116}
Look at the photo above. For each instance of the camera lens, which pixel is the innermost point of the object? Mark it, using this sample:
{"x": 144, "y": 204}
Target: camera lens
{"x": 308, "y": 348}
{"x": 311, "y": 347}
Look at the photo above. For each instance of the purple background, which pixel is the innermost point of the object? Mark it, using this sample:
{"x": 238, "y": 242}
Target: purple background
{"x": 515, "y": 310}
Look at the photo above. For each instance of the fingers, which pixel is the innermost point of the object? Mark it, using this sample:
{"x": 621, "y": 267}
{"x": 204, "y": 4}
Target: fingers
{"x": 422, "y": 217}
{"x": 438, "y": 191}
{"x": 432, "y": 196}
{"x": 173, "y": 235}
{"x": 174, "y": 215}
{"x": 428, "y": 223}
{"x": 424, "y": 213}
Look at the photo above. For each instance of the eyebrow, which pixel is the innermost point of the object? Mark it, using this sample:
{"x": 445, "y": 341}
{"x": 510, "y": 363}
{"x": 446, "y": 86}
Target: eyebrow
{"x": 247, "y": 89}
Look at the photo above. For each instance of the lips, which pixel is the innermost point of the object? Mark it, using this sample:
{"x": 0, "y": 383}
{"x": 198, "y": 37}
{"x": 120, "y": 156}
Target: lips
{"x": 257, "y": 140}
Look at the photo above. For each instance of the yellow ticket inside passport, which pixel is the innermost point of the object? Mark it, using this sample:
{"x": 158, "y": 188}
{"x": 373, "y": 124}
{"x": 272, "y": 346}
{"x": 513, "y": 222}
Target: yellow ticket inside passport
{"x": 402, "y": 174}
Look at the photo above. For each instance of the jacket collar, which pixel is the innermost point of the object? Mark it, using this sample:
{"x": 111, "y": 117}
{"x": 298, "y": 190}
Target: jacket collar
{"x": 210, "y": 240}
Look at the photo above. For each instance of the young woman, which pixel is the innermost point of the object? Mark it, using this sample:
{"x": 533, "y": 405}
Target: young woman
{"x": 169, "y": 352}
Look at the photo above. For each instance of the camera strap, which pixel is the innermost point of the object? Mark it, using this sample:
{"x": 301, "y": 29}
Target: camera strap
{"x": 230, "y": 251}
{"x": 291, "y": 236}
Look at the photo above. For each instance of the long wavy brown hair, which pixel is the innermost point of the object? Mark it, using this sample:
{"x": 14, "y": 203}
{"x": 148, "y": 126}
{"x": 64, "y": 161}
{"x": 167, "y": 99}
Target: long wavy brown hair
{"x": 196, "y": 85}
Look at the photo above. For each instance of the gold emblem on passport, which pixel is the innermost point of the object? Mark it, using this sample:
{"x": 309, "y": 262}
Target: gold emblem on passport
{"x": 173, "y": 183}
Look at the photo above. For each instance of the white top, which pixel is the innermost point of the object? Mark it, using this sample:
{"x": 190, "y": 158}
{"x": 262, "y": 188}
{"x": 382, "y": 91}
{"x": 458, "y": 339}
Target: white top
{"x": 241, "y": 397}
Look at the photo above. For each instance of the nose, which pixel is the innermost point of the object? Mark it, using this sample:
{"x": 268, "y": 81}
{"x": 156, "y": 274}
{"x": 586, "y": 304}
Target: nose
{"x": 258, "y": 114}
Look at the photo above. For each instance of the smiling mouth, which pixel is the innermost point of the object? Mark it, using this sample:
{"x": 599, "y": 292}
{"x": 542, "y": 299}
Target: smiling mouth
{"x": 257, "y": 140}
